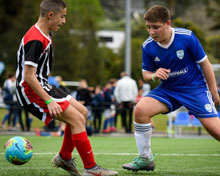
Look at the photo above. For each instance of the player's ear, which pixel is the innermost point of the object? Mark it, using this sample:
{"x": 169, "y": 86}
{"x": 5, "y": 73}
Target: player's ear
{"x": 169, "y": 22}
{"x": 50, "y": 15}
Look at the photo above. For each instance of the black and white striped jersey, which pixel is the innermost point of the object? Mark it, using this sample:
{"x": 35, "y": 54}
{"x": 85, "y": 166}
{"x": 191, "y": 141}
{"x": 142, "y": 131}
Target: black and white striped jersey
{"x": 35, "y": 50}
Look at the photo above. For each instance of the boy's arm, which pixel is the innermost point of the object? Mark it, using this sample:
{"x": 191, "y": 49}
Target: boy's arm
{"x": 210, "y": 79}
{"x": 161, "y": 73}
{"x": 29, "y": 76}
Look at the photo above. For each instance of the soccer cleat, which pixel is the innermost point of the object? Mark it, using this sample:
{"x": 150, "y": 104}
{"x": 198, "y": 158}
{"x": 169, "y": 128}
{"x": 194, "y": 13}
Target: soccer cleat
{"x": 106, "y": 131}
{"x": 98, "y": 171}
{"x": 69, "y": 166}
{"x": 113, "y": 129}
{"x": 141, "y": 163}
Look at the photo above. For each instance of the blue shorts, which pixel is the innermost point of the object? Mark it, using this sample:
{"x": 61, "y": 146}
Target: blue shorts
{"x": 198, "y": 101}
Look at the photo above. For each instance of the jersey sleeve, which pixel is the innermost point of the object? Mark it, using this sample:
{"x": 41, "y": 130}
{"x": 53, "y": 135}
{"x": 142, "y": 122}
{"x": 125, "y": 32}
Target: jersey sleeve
{"x": 147, "y": 61}
{"x": 196, "y": 49}
{"x": 33, "y": 50}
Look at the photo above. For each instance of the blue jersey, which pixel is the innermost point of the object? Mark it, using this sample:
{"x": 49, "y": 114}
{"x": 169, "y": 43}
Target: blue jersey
{"x": 182, "y": 56}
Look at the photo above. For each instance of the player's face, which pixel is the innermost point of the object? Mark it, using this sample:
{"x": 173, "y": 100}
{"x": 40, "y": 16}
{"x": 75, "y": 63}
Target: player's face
{"x": 57, "y": 20}
{"x": 159, "y": 31}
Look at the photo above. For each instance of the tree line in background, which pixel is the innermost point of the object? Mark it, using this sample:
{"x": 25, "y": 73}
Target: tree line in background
{"x": 77, "y": 53}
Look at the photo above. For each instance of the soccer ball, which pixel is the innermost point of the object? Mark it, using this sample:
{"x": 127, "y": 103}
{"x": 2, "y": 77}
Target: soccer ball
{"x": 18, "y": 150}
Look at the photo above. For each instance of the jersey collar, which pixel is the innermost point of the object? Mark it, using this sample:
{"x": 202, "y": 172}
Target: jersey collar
{"x": 43, "y": 33}
{"x": 170, "y": 42}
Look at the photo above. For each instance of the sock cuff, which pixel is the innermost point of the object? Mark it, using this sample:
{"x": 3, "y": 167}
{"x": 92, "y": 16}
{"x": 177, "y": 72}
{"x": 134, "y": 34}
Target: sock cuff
{"x": 80, "y": 136}
{"x": 142, "y": 124}
{"x": 142, "y": 127}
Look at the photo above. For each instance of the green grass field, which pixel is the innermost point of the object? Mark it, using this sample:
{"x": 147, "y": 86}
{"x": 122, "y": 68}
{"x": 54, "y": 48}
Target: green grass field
{"x": 174, "y": 157}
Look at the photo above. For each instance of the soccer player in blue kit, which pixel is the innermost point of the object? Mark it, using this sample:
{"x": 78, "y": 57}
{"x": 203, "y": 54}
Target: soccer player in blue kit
{"x": 176, "y": 57}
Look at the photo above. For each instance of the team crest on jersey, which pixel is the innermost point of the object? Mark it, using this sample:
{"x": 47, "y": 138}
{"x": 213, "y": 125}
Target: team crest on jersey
{"x": 208, "y": 107}
{"x": 180, "y": 54}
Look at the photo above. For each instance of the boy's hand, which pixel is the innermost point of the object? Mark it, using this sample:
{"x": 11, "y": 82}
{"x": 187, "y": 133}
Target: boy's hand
{"x": 54, "y": 109}
{"x": 162, "y": 73}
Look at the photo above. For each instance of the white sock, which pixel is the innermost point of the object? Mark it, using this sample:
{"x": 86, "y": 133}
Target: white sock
{"x": 143, "y": 138}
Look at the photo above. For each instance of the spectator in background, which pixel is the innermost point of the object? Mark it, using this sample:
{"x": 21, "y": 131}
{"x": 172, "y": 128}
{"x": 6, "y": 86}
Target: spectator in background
{"x": 10, "y": 100}
{"x": 62, "y": 85}
{"x": 125, "y": 93}
{"x": 109, "y": 120}
{"x": 139, "y": 96}
{"x": 7, "y": 95}
{"x": 97, "y": 108}
{"x": 144, "y": 86}
{"x": 83, "y": 93}
{"x": 84, "y": 96}
{"x": 114, "y": 107}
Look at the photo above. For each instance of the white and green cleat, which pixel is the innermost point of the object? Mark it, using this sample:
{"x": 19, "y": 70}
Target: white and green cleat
{"x": 140, "y": 163}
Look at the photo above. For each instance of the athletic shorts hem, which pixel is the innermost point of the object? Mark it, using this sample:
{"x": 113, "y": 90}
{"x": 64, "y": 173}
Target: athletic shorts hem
{"x": 203, "y": 115}
{"x": 170, "y": 107}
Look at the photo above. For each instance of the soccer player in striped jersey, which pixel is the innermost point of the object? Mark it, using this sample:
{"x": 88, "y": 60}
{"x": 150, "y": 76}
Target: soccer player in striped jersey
{"x": 176, "y": 58}
{"x": 34, "y": 93}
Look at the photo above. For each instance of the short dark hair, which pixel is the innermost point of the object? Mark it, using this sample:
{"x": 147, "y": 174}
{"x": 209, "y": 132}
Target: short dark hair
{"x": 51, "y": 6}
{"x": 157, "y": 13}
{"x": 10, "y": 75}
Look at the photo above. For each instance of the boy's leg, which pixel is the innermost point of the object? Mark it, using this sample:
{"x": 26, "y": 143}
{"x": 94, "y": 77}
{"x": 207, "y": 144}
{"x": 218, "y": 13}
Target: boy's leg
{"x": 84, "y": 148}
{"x": 212, "y": 125}
{"x": 76, "y": 122}
{"x": 68, "y": 145}
{"x": 144, "y": 110}
{"x": 68, "y": 141}
{"x": 74, "y": 134}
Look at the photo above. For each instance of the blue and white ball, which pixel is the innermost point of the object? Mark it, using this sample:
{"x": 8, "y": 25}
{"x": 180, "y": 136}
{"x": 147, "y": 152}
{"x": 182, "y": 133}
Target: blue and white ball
{"x": 18, "y": 150}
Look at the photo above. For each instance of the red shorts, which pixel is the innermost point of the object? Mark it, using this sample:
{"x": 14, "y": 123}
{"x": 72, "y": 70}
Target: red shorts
{"x": 38, "y": 107}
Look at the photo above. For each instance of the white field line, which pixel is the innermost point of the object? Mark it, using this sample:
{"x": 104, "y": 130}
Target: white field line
{"x": 135, "y": 154}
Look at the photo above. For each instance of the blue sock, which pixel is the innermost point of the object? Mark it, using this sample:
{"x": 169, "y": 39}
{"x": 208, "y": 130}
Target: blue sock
{"x": 112, "y": 120}
{"x": 5, "y": 118}
{"x": 105, "y": 124}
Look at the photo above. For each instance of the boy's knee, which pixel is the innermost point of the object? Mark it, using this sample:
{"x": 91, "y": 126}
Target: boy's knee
{"x": 140, "y": 115}
{"x": 138, "y": 111}
{"x": 77, "y": 122}
{"x": 74, "y": 118}
{"x": 80, "y": 119}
